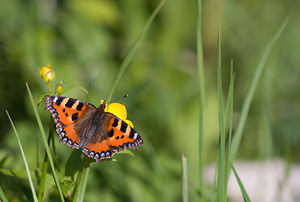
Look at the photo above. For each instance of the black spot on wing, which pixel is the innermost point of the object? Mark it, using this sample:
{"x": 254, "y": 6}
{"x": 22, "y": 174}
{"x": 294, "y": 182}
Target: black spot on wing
{"x": 74, "y": 116}
{"x": 70, "y": 102}
{"x": 123, "y": 127}
{"x": 59, "y": 100}
{"x": 115, "y": 123}
{"x": 79, "y": 106}
{"x": 111, "y": 133}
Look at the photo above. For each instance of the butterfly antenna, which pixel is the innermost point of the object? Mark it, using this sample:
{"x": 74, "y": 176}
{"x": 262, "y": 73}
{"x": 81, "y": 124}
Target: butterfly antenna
{"x": 94, "y": 86}
{"x": 119, "y": 98}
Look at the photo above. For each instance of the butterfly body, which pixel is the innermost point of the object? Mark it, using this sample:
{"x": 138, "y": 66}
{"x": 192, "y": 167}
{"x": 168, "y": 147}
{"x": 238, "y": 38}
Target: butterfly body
{"x": 98, "y": 133}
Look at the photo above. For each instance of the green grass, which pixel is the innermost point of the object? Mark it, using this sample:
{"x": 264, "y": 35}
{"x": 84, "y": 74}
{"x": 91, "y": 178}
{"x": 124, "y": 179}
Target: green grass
{"x": 174, "y": 65}
{"x": 200, "y": 65}
{"x": 244, "y": 192}
{"x": 222, "y": 128}
{"x": 44, "y": 138}
{"x": 249, "y": 96}
{"x": 24, "y": 159}
{"x": 184, "y": 183}
{"x": 3, "y": 196}
{"x": 134, "y": 47}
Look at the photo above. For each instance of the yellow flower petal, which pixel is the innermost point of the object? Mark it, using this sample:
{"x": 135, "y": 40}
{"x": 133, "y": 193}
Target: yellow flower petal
{"x": 118, "y": 109}
{"x": 129, "y": 123}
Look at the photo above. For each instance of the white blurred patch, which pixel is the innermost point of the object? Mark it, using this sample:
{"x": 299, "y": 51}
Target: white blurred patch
{"x": 264, "y": 181}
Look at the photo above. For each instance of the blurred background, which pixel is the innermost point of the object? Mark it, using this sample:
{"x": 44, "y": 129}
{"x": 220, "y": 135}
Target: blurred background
{"x": 86, "y": 42}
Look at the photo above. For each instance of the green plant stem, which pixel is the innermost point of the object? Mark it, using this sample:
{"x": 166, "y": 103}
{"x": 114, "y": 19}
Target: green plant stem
{"x": 49, "y": 88}
{"x": 244, "y": 193}
{"x": 134, "y": 48}
{"x": 24, "y": 158}
{"x": 184, "y": 180}
{"x": 201, "y": 92}
{"x": 45, "y": 165}
{"x": 248, "y": 100}
{"x": 82, "y": 177}
{"x": 45, "y": 143}
{"x": 221, "y": 166}
{"x": 229, "y": 118}
{"x": 3, "y": 196}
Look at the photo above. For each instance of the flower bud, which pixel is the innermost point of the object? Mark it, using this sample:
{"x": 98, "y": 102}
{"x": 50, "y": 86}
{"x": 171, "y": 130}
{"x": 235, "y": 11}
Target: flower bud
{"x": 49, "y": 76}
{"x": 44, "y": 70}
{"x": 59, "y": 88}
{"x": 46, "y": 73}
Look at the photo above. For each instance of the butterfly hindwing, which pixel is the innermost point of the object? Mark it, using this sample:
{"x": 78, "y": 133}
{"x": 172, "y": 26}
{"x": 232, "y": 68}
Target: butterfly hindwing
{"x": 68, "y": 114}
{"x": 98, "y": 150}
{"x": 120, "y": 135}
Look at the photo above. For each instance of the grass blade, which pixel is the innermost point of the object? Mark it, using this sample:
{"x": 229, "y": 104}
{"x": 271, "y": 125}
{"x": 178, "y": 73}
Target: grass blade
{"x": 247, "y": 103}
{"x": 229, "y": 119}
{"x": 133, "y": 48}
{"x": 45, "y": 143}
{"x": 201, "y": 91}
{"x": 80, "y": 191}
{"x": 3, "y": 196}
{"x": 221, "y": 165}
{"x": 24, "y": 158}
{"x": 184, "y": 180}
{"x": 244, "y": 193}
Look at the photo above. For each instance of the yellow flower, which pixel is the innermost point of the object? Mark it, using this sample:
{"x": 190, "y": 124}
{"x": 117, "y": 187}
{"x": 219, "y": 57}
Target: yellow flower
{"x": 46, "y": 73}
{"x": 118, "y": 110}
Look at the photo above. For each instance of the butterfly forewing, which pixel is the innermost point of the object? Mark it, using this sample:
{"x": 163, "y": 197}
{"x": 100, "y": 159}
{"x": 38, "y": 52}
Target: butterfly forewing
{"x": 68, "y": 114}
{"x": 120, "y": 135}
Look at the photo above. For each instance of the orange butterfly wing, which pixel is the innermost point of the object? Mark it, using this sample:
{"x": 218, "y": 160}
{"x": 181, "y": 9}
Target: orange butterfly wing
{"x": 120, "y": 135}
{"x": 68, "y": 114}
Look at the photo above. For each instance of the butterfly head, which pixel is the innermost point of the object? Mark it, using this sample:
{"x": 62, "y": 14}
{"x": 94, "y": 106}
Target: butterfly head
{"x": 103, "y": 105}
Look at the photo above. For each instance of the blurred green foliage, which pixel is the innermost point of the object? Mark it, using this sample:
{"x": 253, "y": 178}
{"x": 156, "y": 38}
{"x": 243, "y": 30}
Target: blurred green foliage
{"x": 86, "y": 42}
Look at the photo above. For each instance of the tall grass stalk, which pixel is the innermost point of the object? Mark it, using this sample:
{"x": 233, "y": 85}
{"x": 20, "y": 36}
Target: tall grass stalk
{"x": 229, "y": 118}
{"x": 201, "y": 92}
{"x": 3, "y": 196}
{"x": 24, "y": 158}
{"x": 221, "y": 163}
{"x": 184, "y": 180}
{"x": 79, "y": 193}
{"x": 248, "y": 100}
{"x": 45, "y": 143}
{"x": 134, "y": 48}
{"x": 81, "y": 186}
{"x": 244, "y": 193}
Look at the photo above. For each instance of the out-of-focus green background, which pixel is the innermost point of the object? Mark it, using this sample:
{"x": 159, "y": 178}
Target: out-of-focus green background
{"x": 86, "y": 42}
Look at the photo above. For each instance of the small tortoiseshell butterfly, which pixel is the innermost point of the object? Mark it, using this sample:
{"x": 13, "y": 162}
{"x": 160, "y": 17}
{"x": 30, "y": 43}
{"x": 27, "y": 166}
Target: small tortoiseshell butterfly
{"x": 80, "y": 124}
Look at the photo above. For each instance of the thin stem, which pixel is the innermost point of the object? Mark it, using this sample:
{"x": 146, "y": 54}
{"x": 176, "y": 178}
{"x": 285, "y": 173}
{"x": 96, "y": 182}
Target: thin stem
{"x": 201, "y": 91}
{"x": 134, "y": 48}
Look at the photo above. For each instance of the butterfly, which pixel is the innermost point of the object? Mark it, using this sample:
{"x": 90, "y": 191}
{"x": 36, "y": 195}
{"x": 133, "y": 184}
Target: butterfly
{"x": 98, "y": 133}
